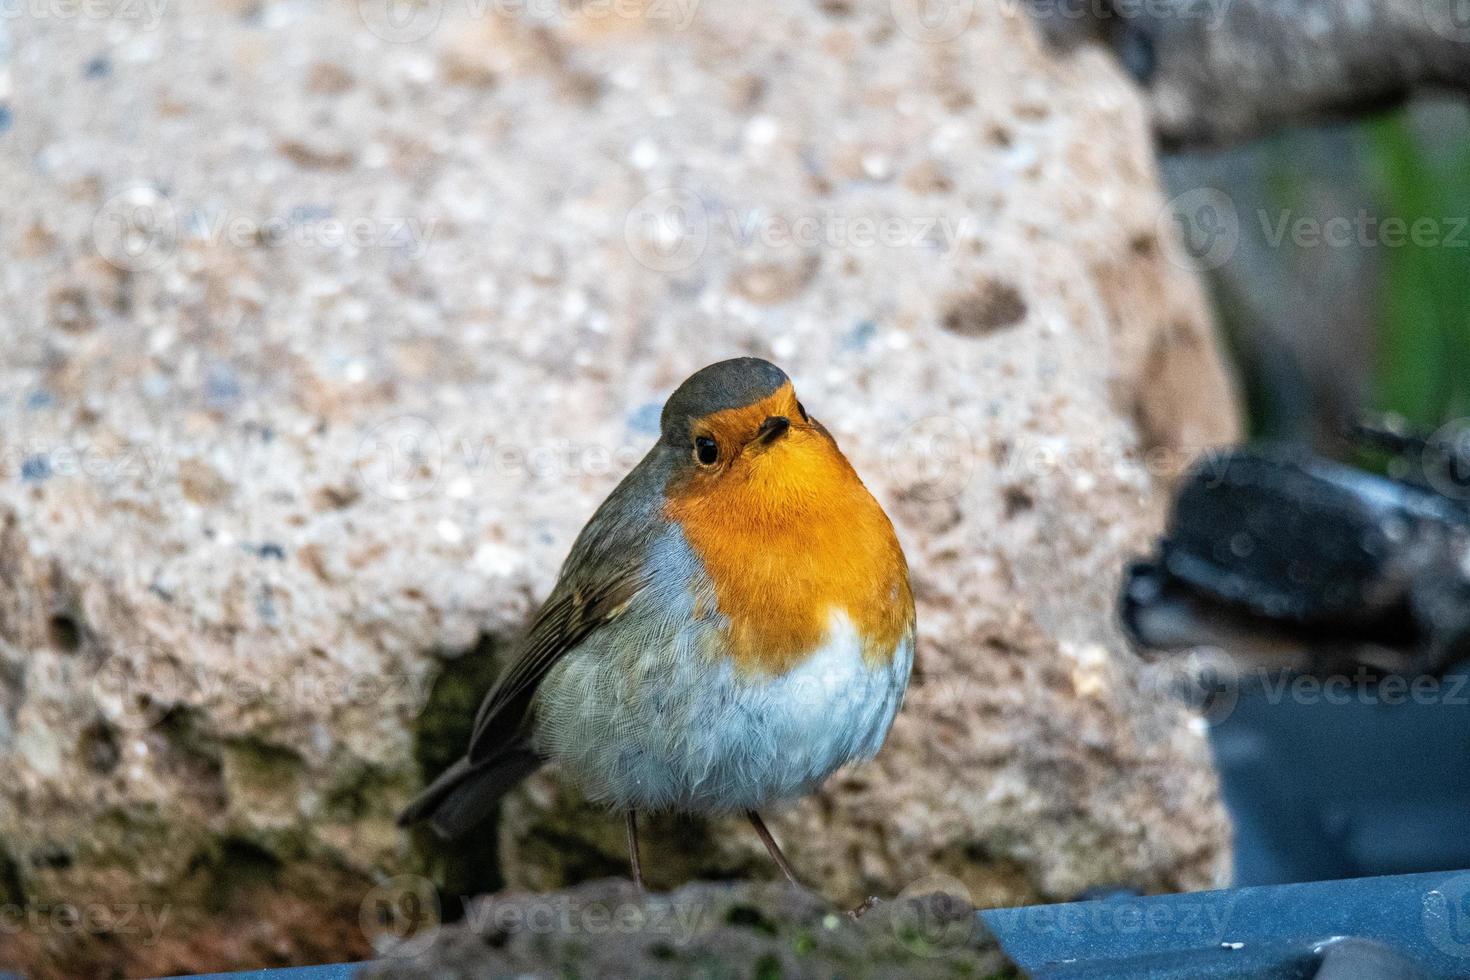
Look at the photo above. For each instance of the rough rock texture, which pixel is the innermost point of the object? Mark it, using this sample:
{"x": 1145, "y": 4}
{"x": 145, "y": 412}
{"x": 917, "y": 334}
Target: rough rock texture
{"x": 319, "y": 348}
{"x": 606, "y": 930}
{"x": 1222, "y": 71}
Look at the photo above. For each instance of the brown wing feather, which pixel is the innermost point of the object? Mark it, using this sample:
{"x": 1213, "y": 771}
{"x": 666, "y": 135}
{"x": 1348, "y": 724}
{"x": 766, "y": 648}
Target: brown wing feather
{"x": 603, "y": 573}
{"x": 571, "y": 613}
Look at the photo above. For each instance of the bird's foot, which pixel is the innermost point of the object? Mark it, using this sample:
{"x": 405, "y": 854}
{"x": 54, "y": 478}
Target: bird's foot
{"x": 866, "y": 906}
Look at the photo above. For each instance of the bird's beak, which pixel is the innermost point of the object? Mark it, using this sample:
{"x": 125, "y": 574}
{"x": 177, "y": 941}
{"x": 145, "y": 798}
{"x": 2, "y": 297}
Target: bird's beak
{"x": 773, "y": 428}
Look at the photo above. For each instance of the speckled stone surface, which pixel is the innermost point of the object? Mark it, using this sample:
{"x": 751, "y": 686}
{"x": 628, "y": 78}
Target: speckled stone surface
{"x": 604, "y": 929}
{"x": 319, "y": 348}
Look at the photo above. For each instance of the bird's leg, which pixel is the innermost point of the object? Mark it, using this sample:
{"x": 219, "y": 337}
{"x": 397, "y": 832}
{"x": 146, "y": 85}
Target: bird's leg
{"x": 633, "y": 850}
{"x": 785, "y": 865}
{"x": 771, "y": 846}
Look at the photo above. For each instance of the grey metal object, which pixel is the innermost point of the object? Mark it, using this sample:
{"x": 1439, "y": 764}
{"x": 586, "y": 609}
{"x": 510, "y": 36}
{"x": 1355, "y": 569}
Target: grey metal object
{"x": 1285, "y": 559}
{"x": 1360, "y": 778}
{"x": 1406, "y": 927}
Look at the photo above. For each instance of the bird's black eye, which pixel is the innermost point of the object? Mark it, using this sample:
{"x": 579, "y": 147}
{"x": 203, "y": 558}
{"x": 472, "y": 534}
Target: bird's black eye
{"x": 706, "y": 450}
{"x": 801, "y": 410}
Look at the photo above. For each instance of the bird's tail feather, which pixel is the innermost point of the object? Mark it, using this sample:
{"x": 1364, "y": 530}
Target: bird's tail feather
{"x": 466, "y": 793}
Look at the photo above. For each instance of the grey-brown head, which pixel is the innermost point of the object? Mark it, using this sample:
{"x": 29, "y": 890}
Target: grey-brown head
{"x": 738, "y": 426}
{"x": 736, "y": 383}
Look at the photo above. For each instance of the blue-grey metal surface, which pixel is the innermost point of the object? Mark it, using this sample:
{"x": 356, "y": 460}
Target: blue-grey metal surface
{"x": 1345, "y": 781}
{"x": 339, "y": 971}
{"x": 1404, "y": 926}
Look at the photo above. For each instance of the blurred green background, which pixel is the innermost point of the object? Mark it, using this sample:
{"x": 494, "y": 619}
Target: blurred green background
{"x": 1349, "y": 290}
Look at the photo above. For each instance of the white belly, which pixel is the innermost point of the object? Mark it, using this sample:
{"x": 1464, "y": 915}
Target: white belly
{"x": 679, "y": 730}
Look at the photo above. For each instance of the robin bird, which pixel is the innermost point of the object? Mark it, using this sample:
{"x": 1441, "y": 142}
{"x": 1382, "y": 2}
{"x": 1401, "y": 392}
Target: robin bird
{"x": 733, "y": 624}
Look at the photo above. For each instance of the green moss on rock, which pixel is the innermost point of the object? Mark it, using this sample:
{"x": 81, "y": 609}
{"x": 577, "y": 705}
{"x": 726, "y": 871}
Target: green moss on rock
{"x": 470, "y": 866}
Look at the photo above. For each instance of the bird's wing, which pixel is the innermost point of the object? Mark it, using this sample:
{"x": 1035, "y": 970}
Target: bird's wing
{"x": 573, "y": 611}
{"x": 606, "y": 569}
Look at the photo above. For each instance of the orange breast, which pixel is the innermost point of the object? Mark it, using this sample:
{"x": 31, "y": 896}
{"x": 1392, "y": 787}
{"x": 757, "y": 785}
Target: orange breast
{"x": 788, "y": 537}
